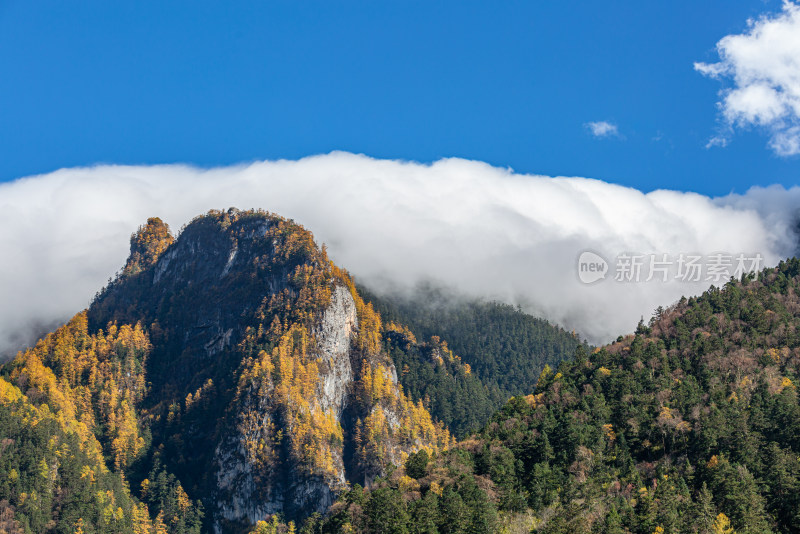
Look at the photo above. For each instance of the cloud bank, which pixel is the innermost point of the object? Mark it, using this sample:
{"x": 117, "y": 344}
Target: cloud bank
{"x": 764, "y": 67}
{"x": 486, "y": 231}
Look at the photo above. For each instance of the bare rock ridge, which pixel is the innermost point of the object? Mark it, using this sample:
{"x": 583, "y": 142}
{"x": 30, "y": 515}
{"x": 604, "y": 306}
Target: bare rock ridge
{"x": 269, "y": 389}
{"x": 238, "y": 492}
{"x": 334, "y": 334}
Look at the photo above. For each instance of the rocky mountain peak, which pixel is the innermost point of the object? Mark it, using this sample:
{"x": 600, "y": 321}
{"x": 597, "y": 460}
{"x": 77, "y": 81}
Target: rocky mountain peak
{"x": 147, "y": 244}
{"x": 256, "y": 330}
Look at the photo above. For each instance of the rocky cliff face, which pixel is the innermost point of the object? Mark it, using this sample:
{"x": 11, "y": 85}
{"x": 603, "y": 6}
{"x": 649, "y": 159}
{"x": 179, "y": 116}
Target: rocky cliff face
{"x": 334, "y": 336}
{"x": 240, "y": 489}
{"x": 269, "y": 387}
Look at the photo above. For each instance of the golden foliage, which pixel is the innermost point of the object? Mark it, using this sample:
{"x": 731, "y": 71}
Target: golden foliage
{"x": 786, "y": 383}
{"x": 147, "y": 244}
{"x": 288, "y": 380}
{"x": 407, "y": 484}
{"x": 368, "y": 339}
{"x": 534, "y": 400}
{"x": 92, "y": 383}
{"x": 608, "y": 429}
{"x": 266, "y": 527}
{"x": 8, "y": 392}
{"x": 376, "y": 384}
{"x": 40, "y": 413}
{"x": 183, "y": 499}
{"x": 395, "y": 424}
{"x": 543, "y": 376}
{"x": 141, "y": 521}
{"x": 400, "y": 329}
{"x": 774, "y": 355}
{"x": 280, "y": 377}
{"x": 722, "y": 525}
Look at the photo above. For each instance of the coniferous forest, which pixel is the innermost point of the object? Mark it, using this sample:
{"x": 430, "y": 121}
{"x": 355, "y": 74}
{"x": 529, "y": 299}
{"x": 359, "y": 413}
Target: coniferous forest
{"x": 504, "y": 348}
{"x": 232, "y": 378}
{"x": 692, "y": 424}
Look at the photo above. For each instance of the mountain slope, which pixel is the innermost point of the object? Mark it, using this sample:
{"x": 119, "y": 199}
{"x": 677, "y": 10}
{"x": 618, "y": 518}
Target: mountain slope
{"x": 690, "y": 425}
{"x": 268, "y": 385}
{"x": 234, "y": 365}
{"x": 237, "y": 366}
{"x": 503, "y": 348}
{"x": 432, "y": 372}
{"x": 68, "y": 431}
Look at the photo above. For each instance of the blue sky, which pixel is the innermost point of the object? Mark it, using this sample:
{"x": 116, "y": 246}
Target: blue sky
{"x": 510, "y": 83}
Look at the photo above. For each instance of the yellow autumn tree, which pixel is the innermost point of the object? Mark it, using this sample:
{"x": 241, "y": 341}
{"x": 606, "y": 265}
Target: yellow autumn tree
{"x": 722, "y": 525}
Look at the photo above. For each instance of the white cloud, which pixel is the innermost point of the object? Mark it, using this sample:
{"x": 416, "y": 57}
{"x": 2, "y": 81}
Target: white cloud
{"x": 764, "y": 66}
{"x": 485, "y": 230}
{"x": 602, "y": 129}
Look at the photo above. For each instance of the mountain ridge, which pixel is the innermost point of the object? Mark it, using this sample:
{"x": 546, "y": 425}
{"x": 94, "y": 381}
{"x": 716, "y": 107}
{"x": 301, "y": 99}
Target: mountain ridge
{"x": 234, "y": 375}
{"x": 261, "y": 355}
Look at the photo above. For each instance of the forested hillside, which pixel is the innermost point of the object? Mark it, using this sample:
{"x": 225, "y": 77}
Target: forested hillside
{"x": 233, "y": 379}
{"x": 235, "y": 365}
{"x": 504, "y": 348}
{"x": 69, "y": 430}
{"x": 690, "y": 425}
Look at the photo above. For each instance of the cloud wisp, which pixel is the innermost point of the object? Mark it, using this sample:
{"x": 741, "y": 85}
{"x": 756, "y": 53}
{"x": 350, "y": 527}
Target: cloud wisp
{"x": 602, "y": 129}
{"x": 763, "y": 67}
{"x": 485, "y": 231}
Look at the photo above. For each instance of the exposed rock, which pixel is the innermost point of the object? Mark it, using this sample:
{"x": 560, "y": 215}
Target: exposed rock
{"x": 250, "y": 492}
{"x": 334, "y": 339}
{"x": 248, "y": 302}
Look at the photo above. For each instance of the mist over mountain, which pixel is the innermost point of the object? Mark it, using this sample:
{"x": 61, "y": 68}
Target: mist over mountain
{"x": 233, "y": 379}
{"x": 485, "y": 231}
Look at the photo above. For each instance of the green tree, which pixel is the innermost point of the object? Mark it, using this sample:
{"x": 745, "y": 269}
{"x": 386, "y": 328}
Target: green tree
{"x": 417, "y": 463}
{"x": 387, "y": 512}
